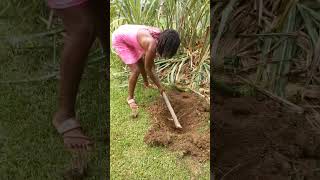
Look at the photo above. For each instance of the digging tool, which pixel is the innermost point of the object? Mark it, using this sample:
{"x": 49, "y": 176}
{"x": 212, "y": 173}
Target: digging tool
{"x": 175, "y": 119}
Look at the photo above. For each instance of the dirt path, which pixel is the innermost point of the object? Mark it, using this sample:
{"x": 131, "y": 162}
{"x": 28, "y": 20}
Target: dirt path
{"x": 193, "y": 114}
{"x": 259, "y": 140}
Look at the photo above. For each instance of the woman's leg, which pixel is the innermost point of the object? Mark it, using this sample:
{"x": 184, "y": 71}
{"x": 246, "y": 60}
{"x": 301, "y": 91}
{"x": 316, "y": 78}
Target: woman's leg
{"x": 99, "y": 9}
{"x": 80, "y": 36}
{"x": 134, "y": 74}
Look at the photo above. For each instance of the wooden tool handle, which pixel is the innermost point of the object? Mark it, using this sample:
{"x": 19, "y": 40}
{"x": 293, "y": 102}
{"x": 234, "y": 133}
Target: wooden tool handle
{"x": 175, "y": 119}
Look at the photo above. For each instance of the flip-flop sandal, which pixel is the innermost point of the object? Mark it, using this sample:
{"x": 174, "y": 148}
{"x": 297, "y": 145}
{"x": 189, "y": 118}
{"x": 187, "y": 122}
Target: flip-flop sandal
{"x": 69, "y": 125}
{"x": 80, "y": 159}
{"x": 134, "y": 111}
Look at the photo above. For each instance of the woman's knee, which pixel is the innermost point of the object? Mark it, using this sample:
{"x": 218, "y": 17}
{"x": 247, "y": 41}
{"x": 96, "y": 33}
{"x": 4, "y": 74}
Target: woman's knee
{"x": 135, "y": 70}
{"x": 78, "y": 20}
{"x": 81, "y": 28}
{"x": 85, "y": 29}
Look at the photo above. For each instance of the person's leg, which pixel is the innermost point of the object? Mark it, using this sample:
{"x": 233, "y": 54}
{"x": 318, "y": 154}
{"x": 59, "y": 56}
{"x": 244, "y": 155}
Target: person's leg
{"x": 80, "y": 36}
{"x": 134, "y": 74}
{"x": 99, "y": 9}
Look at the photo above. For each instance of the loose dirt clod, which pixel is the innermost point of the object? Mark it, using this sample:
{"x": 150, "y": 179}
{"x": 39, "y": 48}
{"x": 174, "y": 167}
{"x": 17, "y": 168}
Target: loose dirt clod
{"x": 259, "y": 140}
{"x": 193, "y": 114}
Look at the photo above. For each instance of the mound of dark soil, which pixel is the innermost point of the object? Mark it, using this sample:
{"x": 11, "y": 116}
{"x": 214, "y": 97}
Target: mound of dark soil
{"x": 193, "y": 114}
{"x": 257, "y": 139}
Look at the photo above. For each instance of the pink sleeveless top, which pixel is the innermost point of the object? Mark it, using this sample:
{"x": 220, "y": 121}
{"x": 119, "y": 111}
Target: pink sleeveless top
{"x": 125, "y": 42}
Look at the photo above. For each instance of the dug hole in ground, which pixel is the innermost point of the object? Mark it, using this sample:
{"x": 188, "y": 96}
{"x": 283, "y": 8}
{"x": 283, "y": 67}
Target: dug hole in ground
{"x": 193, "y": 139}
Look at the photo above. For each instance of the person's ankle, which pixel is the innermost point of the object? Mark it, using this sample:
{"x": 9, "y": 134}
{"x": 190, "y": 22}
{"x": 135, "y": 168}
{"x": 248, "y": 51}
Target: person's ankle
{"x": 62, "y": 115}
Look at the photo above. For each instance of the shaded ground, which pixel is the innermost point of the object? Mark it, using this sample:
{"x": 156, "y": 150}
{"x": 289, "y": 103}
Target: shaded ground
{"x": 256, "y": 138}
{"x": 30, "y": 147}
{"x": 193, "y": 114}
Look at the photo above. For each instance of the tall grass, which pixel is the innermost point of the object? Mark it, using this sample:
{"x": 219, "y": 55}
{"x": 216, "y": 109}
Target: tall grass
{"x": 191, "y": 18}
{"x": 274, "y": 38}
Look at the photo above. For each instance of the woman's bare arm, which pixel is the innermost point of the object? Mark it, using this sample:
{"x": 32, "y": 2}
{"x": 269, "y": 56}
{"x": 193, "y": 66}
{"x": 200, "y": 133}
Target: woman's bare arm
{"x": 149, "y": 64}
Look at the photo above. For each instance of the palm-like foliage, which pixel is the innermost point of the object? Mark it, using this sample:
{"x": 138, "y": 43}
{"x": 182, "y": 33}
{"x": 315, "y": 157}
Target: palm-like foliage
{"x": 190, "y": 18}
{"x": 272, "y": 39}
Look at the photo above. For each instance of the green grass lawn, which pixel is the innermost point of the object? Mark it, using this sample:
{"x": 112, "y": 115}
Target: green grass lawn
{"x": 130, "y": 157}
{"x": 30, "y": 148}
{"x": 29, "y": 145}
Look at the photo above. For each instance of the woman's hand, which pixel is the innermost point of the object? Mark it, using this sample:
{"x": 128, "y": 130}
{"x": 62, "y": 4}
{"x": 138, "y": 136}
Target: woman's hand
{"x": 161, "y": 89}
{"x": 149, "y": 63}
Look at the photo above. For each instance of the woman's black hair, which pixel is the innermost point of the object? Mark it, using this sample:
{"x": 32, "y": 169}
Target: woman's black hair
{"x": 168, "y": 43}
